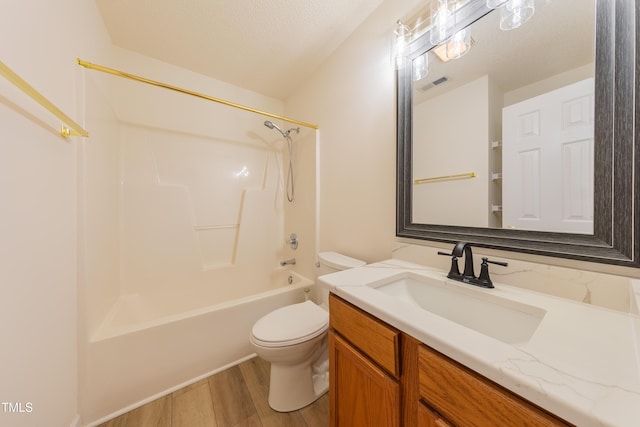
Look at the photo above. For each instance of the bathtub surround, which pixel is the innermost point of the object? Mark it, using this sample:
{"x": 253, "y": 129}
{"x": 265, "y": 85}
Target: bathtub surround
{"x": 140, "y": 311}
{"x": 129, "y": 369}
{"x": 183, "y": 204}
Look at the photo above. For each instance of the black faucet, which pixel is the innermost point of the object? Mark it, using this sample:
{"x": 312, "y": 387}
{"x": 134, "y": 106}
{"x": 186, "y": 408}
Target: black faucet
{"x": 464, "y": 248}
{"x": 468, "y": 276}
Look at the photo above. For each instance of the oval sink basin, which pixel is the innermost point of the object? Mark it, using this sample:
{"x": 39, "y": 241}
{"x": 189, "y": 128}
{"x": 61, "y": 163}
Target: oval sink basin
{"x": 509, "y": 321}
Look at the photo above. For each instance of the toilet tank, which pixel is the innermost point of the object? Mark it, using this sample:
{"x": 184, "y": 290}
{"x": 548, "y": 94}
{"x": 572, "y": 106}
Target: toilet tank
{"x": 332, "y": 262}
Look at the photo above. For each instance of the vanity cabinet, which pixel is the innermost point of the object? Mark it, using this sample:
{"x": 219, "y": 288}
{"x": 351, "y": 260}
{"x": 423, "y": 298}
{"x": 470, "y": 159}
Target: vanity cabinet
{"x": 465, "y": 398}
{"x": 364, "y": 368}
{"x": 380, "y": 376}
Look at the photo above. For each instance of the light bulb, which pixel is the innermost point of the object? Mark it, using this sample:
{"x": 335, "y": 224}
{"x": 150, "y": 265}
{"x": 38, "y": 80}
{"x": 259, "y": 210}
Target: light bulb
{"x": 421, "y": 67}
{"x": 515, "y": 13}
{"x": 442, "y": 21}
{"x": 459, "y": 44}
{"x": 401, "y": 41}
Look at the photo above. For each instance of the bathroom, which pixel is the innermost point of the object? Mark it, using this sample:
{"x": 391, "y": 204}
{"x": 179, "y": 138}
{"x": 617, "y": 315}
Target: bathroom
{"x": 346, "y": 192}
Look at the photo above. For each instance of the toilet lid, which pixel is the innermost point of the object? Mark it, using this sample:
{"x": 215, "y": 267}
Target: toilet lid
{"x": 291, "y": 324}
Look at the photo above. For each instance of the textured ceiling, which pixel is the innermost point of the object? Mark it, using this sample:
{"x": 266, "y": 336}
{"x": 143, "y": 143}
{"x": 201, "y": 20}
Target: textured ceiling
{"x": 268, "y": 46}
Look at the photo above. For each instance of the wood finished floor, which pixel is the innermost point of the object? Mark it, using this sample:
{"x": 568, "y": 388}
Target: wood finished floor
{"x": 235, "y": 397}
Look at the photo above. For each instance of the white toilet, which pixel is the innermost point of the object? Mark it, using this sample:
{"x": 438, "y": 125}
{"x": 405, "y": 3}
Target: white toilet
{"x": 294, "y": 340}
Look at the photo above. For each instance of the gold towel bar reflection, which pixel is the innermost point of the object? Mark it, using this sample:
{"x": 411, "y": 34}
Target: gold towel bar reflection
{"x": 75, "y": 129}
{"x": 189, "y": 92}
{"x": 445, "y": 178}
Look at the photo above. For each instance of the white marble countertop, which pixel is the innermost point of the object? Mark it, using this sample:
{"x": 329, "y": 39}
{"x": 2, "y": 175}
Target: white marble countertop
{"x": 582, "y": 362}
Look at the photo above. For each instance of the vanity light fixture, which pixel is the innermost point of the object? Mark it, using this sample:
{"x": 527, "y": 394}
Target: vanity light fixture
{"x": 401, "y": 40}
{"x": 451, "y": 44}
{"x": 463, "y": 47}
{"x": 421, "y": 67}
{"x": 442, "y": 20}
{"x": 458, "y": 45}
{"x": 514, "y": 13}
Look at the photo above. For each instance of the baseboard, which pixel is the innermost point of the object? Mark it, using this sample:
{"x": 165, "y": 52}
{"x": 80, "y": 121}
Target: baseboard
{"x": 162, "y": 393}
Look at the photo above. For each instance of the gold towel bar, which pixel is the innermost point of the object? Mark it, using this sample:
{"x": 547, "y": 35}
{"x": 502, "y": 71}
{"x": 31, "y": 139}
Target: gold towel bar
{"x": 74, "y": 129}
{"x": 445, "y": 178}
{"x": 189, "y": 92}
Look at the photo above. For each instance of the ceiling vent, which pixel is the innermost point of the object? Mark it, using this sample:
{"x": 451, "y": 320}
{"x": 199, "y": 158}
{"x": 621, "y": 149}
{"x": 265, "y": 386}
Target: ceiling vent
{"x": 433, "y": 84}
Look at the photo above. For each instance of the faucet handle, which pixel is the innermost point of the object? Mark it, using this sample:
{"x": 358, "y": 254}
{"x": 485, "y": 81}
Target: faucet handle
{"x": 484, "y": 278}
{"x": 454, "y": 272}
{"x": 490, "y": 261}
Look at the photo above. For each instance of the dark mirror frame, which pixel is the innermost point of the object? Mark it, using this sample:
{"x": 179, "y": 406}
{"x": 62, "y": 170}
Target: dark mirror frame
{"x": 616, "y": 237}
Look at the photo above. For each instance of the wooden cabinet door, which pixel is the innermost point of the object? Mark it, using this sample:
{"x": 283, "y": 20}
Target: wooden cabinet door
{"x": 360, "y": 393}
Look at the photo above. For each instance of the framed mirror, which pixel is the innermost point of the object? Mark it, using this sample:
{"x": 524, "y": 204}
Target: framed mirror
{"x": 463, "y": 170}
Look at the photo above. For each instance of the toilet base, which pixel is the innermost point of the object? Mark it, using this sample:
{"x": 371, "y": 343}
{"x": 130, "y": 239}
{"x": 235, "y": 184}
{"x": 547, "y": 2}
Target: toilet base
{"x": 295, "y": 386}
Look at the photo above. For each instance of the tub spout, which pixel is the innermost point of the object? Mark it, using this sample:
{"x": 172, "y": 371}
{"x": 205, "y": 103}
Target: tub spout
{"x": 291, "y": 261}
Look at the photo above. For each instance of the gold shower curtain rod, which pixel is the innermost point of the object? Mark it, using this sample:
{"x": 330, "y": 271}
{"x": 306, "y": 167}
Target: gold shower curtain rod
{"x": 189, "y": 92}
{"x": 74, "y": 129}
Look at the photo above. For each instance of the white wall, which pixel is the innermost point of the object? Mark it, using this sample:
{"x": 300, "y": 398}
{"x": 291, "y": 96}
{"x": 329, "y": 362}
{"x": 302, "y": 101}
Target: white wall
{"x": 352, "y": 98}
{"x": 40, "y": 41}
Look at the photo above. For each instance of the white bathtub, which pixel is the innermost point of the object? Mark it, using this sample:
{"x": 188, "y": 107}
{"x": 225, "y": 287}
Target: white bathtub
{"x": 150, "y": 345}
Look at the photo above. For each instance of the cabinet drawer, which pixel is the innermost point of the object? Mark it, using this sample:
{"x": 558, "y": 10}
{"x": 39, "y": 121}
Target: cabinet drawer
{"x": 468, "y": 399}
{"x": 371, "y": 336}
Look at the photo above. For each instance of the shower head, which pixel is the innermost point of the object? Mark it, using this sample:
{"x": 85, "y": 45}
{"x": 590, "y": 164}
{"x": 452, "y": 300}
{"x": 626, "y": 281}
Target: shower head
{"x": 270, "y": 125}
{"x": 286, "y": 136}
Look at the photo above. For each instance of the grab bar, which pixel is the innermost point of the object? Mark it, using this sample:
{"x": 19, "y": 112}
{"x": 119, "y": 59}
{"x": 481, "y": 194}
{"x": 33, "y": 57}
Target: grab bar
{"x": 445, "y": 178}
{"x": 74, "y": 129}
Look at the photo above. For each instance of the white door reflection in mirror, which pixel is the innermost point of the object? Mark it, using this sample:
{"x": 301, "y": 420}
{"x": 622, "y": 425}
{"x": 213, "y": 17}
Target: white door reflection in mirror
{"x": 547, "y": 160}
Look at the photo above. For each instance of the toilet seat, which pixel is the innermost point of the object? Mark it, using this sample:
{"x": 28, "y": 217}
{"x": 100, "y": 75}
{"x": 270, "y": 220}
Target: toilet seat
{"x": 290, "y": 325}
